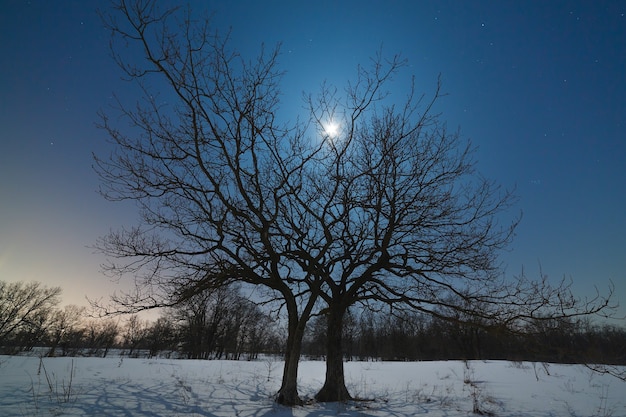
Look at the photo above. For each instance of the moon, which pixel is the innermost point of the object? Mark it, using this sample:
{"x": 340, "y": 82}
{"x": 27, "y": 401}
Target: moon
{"x": 331, "y": 129}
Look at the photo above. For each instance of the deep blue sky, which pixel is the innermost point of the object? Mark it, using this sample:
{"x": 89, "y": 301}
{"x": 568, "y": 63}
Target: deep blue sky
{"x": 539, "y": 86}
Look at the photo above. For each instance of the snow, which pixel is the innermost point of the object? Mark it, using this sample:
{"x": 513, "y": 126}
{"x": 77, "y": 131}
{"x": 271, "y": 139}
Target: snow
{"x": 120, "y": 386}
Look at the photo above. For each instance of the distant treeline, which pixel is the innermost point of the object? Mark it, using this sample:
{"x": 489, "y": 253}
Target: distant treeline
{"x": 224, "y": 324}
{"x": 413, "y": 337}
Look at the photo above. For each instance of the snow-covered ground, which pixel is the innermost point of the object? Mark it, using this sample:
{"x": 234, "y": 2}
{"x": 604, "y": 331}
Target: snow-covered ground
{"x": 162, "y": 387}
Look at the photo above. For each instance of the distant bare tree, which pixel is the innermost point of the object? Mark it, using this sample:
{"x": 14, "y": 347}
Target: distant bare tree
{"x": 100, "y": 336}
{"x": 25, "y": 309}
{"x": 203, "y": 318}
{"x": 63, "y": 326}
{"x": 162, "y": 336}
{"x": 134, "y": 333}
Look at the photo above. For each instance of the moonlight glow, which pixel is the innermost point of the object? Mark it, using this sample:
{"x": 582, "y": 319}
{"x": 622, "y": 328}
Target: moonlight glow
{"x": 331, "y": 129}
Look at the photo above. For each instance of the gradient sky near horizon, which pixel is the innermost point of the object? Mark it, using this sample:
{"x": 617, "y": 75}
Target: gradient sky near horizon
{"x": 539, "y": 87}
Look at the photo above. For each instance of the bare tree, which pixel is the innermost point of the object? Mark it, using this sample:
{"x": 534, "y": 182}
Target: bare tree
{"x": 134, "y": 333}
{"x": 385, "y": 207}
{"x": 25, "y": 308}
{"x": 63, "y": 325}
{"x": 212, "y": 170}
{"x": 100, "y": 336}
{"x": 406, "y": 220}
{"x": 203, "y": 321}
{"x": 162, "y": 336}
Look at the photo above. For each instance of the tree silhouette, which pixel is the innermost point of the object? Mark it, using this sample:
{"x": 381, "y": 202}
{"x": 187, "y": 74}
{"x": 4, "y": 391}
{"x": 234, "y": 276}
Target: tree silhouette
{"x": 25, "y": 312}
{"x": 385, "y": 207}
{"x": 213, "y": 172}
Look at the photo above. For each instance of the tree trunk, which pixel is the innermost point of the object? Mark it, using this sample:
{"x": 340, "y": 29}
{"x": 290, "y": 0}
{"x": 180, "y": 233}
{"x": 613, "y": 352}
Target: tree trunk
{"x": 334, "y": 388}
{"x": 53, "y": 348}
{"x": 288, "y": 393}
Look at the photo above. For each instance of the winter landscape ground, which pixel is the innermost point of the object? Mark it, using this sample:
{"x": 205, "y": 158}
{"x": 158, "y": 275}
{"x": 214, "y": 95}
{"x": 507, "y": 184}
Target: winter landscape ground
{"x": 120, "y": 386}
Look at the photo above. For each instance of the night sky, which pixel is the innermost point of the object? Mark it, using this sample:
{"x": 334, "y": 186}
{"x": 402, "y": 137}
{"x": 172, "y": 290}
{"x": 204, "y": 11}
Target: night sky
{"x": 538, "y": 86}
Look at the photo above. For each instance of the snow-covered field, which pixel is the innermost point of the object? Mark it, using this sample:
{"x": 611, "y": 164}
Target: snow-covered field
{"x": 161, "y": 387}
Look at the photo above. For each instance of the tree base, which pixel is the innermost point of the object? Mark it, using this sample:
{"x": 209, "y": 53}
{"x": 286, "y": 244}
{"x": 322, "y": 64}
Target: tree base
{"x": 333, "y": 392}
{"x": 288, "y": 397}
